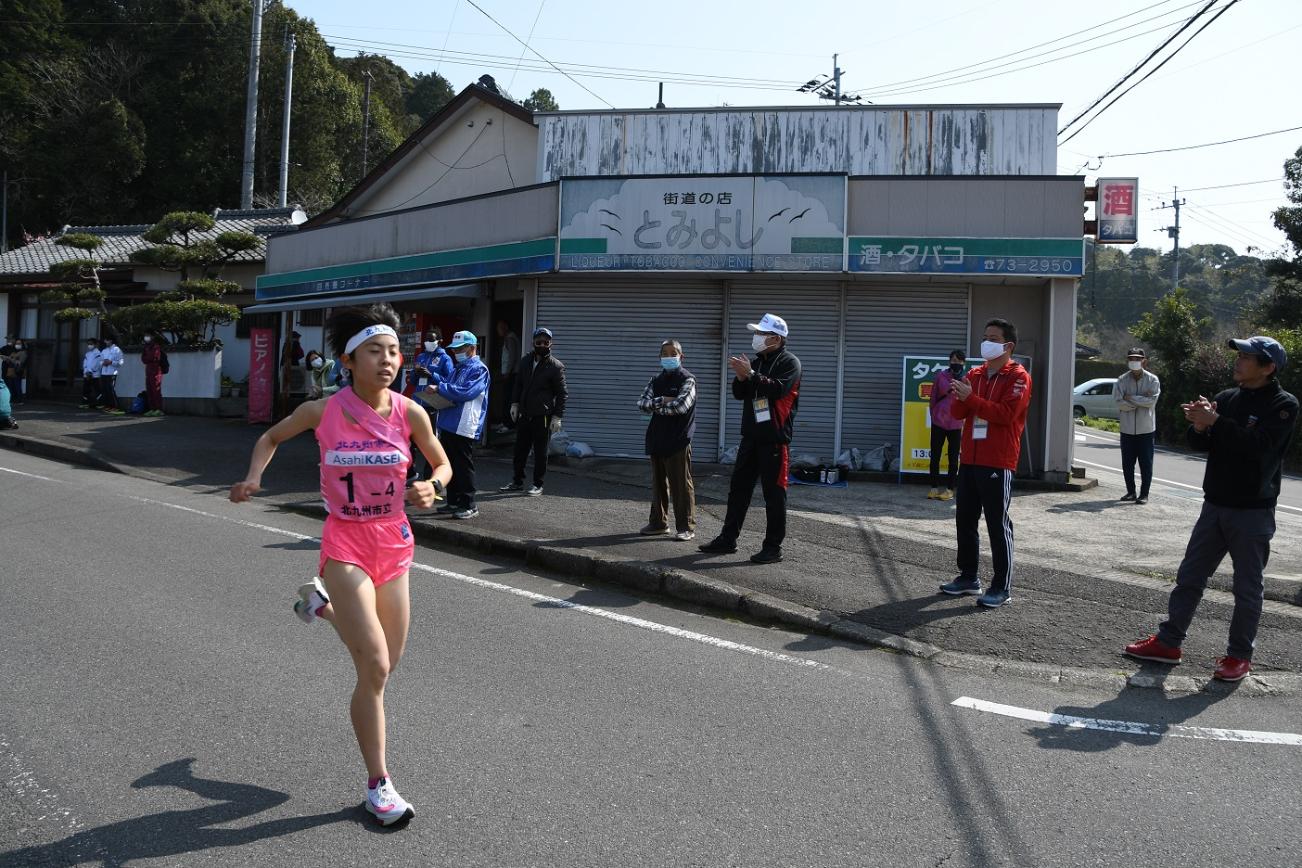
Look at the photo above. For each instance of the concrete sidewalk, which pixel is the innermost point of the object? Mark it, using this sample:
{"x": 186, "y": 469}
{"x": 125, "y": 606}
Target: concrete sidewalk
{"x": 862, "y": 562}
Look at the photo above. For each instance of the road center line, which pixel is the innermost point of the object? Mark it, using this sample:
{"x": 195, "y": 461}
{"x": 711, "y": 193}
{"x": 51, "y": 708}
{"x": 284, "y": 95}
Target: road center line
{"x": 1127, "y": 727}
{"x": 556, "y": 602}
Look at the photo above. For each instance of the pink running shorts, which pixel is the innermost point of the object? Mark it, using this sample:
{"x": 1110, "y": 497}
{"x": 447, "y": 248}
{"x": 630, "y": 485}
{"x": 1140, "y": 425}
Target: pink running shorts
{"x": 382, "y": 549}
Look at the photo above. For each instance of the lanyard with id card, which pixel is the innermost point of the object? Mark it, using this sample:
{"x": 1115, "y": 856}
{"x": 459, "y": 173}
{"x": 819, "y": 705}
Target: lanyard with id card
{"x": 762, "y": 413}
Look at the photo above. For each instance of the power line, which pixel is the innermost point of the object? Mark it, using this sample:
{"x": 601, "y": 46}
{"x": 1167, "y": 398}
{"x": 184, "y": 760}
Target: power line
{"x": 1188, "y": 23}
{"x": 984, "y": 63}
{"x": 535, "y": 51}
{"x": 1167, "y": 60}
{"x": 532, "y": 28}
{"x": 1240, "y": 184}
{"x": 1204, "y": 145}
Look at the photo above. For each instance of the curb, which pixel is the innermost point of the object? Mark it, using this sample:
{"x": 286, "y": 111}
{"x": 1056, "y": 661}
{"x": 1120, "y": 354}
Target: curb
{"x": 704, "y": 591}
{"x": 84, "y": 456}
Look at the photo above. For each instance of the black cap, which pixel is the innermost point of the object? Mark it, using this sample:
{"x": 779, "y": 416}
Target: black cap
{"x": 1136, "y": 353}
{"x": 542, "y": 332}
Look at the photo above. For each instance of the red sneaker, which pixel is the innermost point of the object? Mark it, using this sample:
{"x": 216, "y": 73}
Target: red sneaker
{"x": 1153, "y": 649}
{"x": 1232, "y": 669}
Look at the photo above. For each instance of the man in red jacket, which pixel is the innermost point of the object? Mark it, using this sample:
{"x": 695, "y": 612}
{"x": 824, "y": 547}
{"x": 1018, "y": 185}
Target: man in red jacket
{"x": 992, "y": 402}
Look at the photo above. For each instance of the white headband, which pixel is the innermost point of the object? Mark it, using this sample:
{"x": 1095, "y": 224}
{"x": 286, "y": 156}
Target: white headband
{"x": 365, "y": 335}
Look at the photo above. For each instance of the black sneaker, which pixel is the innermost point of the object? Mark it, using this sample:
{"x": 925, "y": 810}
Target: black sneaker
{"x": 961, "y": 586}
{"x": 766, "y": 556}
{"x": 718, "y": 546}
{"x": 1128, "y": 496}
{"x": 1140, "y": 501}
{"x": 447, "y": 509}
{"x": 512, "y": 486}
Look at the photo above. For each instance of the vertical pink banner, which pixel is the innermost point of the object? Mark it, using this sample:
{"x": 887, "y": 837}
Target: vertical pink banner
{"x": 262, "y": 369}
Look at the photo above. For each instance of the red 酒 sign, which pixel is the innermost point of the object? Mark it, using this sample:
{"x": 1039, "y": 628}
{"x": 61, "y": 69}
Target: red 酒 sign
{"x": 262, "y": 373}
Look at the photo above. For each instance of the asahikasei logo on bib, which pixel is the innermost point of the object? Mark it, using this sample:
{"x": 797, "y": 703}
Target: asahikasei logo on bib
{"x": 380, "y": 458}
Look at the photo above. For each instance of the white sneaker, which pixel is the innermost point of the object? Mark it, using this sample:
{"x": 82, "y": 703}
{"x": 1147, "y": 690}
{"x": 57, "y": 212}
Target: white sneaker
{"x": 534, "y": 491}
{"x": 311, "y": 597}
{"x": 685, "y": 535}
{"x": 386, "y": 805}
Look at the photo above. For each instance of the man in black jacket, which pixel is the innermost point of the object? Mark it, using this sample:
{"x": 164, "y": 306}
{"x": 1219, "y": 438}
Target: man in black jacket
{"x": 768, "y": 388}
{"x": 1245, "y": 432}
{"x": 537, "y": 405}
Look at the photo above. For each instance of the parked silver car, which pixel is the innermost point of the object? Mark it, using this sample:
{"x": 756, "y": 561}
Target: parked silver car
{"x": 1094, "y": 398}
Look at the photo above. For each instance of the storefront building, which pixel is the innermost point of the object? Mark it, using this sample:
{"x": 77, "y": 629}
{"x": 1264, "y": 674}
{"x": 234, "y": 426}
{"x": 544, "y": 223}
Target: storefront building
{"x": 878, "y": 232}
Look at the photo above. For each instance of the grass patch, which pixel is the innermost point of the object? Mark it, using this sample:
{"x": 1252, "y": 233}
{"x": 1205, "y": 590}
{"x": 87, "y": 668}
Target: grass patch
{"x": 1101, "y": 424}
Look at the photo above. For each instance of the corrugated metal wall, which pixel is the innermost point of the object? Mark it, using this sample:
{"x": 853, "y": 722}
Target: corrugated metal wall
{"x": 813, "y": 314}
{"x": 608, "y": 334}
{"x": 884, "y": 323}
{"x": 868, "y": 140}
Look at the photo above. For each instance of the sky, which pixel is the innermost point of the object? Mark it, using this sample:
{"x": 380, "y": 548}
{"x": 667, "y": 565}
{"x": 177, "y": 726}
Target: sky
{"x": 1236, "y": 79}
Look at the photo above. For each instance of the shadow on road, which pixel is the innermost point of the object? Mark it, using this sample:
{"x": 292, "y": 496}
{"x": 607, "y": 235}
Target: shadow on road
{"x": 1115, "y": 713}
{"x": 174, "y": 833}
{"x": 1085, "y": 506}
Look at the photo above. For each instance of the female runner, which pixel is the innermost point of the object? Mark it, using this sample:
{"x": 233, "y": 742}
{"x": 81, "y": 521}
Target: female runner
{"x": 364, "y": 432}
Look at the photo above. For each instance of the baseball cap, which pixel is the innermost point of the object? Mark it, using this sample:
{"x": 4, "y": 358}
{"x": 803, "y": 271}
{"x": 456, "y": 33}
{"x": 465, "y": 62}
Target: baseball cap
{"x": 769, "y": 323}
{"x": 1262, "y": 346}
{"x": 462, "y": 339}
{"x": 541, "y": 332}
{"x": 1136, "y": 353}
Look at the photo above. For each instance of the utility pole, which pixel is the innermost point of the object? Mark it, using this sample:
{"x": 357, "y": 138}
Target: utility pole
{"x": 366, "y": 122}
{"x": 251, "y": 108}
{"x": 283, "y": 199}
{"x": 4, "y": 214}
{"x": 1174, "y": 233}
{"x": 829, "y": 88}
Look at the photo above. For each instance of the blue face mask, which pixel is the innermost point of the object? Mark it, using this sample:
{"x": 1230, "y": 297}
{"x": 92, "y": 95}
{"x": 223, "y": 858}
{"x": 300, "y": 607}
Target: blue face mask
{"x": 460, "y": 357}
{"x": 670, "y": 363}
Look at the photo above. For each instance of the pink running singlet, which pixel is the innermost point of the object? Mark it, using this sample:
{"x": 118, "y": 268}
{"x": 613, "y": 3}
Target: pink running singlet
{"x": 363, "y": 482}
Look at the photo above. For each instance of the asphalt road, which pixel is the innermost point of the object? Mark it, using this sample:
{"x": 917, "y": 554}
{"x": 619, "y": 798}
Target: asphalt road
{"x": 1175, "y": 473}
{"x": 160, "y": 705}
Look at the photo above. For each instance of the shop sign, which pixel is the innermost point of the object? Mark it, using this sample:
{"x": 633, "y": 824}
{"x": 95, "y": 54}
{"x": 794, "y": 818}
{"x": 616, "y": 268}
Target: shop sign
{"x": 915, "y": 411}
{"x": 1037, "y": 257}
{"x": 262, "y": 368}
{"x": 1117, "y": 210}
{"x": 703, "y": 223}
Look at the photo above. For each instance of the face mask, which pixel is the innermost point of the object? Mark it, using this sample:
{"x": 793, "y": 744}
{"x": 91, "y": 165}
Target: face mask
{"x": 317, "y": 363}
{"x": 542, "y": 352}
{"x": 18, "y": 346}
{"x": 759, "y": 343}
{"x": 460, "y": 357}
{"x": 431, "y": 346}
{"x": 990, "y": 350}
{"x": 1135, "y": 366}
{"x": 148, "y": 339}
{"x": 670, "y": 363}
{"x": 956, "y": 369}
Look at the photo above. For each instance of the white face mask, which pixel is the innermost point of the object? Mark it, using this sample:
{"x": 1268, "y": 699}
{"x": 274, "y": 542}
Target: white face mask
{"x": 759, "y": 343}
{"x": 317, "y": 363}
{"x": 148, "y": 339}
{"x": 990, "y": 350}
{"x": 1135, "y": 366}
{"x": 431, "y": 346}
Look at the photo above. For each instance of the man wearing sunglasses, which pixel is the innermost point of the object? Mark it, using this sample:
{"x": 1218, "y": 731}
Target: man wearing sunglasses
{"x": 1245, "y": 432}
{"x": 537, "y": 405}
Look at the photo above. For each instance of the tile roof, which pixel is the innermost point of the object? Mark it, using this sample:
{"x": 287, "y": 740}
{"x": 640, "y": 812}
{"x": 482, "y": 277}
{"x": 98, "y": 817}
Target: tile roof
{"x": 121, "y": 241}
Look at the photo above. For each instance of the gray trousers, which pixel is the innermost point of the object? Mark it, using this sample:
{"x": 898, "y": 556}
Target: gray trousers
{"x": 1245, "y": 535}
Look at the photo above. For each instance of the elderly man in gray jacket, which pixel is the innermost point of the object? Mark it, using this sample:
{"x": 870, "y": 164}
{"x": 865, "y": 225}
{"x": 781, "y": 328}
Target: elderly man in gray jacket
{"x": 1136, "y": 393}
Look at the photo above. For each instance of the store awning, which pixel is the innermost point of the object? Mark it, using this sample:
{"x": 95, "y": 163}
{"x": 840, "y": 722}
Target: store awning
{"x": 458, "y": 290}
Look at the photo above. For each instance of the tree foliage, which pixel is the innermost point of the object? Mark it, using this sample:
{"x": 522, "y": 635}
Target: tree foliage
{"x": 541, "y": 100}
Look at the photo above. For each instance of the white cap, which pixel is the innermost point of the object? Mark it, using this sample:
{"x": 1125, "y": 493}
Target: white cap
{"x": 769, "y": 323}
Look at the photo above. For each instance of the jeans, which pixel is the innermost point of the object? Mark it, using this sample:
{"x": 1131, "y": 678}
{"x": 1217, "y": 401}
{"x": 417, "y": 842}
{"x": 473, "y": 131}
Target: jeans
{"x": 1137, "y": 447}
{"x": 941, "y": 437}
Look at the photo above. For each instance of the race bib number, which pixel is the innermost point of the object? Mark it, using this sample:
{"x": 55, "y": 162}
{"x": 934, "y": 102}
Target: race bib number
{"x": 762, "y": 413}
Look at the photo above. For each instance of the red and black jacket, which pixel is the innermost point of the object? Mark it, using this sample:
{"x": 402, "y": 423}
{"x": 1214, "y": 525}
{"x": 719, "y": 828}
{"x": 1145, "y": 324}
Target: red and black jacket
{"x": 775, "y": 376}
{"x": 1002, "y": 401}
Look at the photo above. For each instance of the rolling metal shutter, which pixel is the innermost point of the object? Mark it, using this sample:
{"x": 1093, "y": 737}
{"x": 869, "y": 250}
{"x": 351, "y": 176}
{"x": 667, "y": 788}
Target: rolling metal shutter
{"x": 608, "y": 332}
{"x": 884, "y": 323}
{"x": 813, "y": 314}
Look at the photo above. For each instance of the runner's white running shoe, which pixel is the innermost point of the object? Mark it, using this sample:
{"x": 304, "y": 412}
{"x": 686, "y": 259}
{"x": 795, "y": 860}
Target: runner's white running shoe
{"x": 386, "y": 805}
{"x": 311, "y": 596}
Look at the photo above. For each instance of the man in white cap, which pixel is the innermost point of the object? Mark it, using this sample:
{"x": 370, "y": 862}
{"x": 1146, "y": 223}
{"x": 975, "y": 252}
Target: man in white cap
{"x": 1245, "y": 432}
{"x": 462, "y": 424}
{"x": 768, "y": 387}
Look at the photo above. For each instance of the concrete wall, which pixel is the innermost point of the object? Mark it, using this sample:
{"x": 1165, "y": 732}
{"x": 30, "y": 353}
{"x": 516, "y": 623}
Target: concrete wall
{"x": 967, "y": 207}
{"x": 192, "y": 375}
{"x": 859, "y": 140}
{"x": 521, "y": 215}
{"x": 480, "y": 150}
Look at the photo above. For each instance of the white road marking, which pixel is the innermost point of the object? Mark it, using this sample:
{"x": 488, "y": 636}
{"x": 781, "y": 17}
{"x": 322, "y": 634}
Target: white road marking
{"x": 1283, "y": 506}
{"x": 1127, "y": 727}
{"x": 557, "y": 602}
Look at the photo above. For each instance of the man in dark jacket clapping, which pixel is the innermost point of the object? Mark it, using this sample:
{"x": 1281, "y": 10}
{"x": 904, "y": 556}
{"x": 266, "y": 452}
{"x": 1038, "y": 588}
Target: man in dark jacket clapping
{"x": 768, "y": 388}
{"x": 537, "y": 405}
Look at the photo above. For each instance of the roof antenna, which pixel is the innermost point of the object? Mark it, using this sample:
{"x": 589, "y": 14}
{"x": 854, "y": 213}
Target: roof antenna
{"x": 661, "y": 102}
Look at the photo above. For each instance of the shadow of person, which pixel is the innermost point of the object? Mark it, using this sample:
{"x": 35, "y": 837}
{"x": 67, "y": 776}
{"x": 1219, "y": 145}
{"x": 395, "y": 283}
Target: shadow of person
{"x": 298, "y": 545}
{"x": 1111, "y": 723}
{"x": 173, "y": 833}
{"x": 1085, "y": 506}
{"x": 596, "y": 597}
